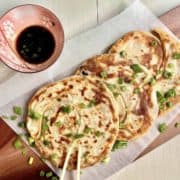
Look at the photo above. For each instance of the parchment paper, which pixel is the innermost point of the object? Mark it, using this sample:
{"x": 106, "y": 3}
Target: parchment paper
{"x": 19, "y": 88}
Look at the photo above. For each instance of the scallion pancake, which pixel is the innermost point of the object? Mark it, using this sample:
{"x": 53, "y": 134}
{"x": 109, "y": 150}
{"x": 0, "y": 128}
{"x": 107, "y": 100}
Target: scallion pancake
{"x": 125, "y": 80}
{"x": 74, "y": 110}
{"x": 165, "y": 94}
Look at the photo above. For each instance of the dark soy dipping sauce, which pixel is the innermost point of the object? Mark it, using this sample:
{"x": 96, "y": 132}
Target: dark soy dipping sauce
{"x": 35, "y": 44}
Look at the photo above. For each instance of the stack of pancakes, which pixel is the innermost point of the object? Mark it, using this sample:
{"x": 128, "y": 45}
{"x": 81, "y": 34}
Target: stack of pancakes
{"x": 112, "y": 96}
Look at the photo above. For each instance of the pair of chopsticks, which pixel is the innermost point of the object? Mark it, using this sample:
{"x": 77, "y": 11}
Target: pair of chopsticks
{"x": 67, "y": 160}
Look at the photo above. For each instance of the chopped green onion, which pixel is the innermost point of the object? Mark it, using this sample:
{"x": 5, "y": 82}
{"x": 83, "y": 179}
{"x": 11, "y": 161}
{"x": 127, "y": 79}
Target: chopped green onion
{"x": 136, "y": 91}
{"x": 58, "y": 123}
{"x": 91, "y": 103}
{"x": 121, "y": 125}
{"x": 30, "y": 161}
{"x": 177, "y": 125}
{"x": 42, "y": 173}
{"x": 49, "y": 174}
{"x": 119, "y": 144}
{"x": 152, "y": 81}
{"x": 134, "y": 76}
{"x": 34, "y": 115}
{"x": 21, "y": 124}
{"x": 54, "y": 178}
{"x": 17, "y": 110}
{"x": 111, "y": 87}
{"x": 31, "y": 141}
{"x": 69, "y": 135}
{"x": 106, "y": 160}
{"x": 78, "y": 136}
{"x": 153, "y": 43}
{"x": 87, "y": 130}
{"x": 159, "y": 72}
{"x": 169, "y": 104}
{"x": 82, "y": 105}
{"x": 98, "y": 133}
{"x": 78, "y": 121}
{"x": 45, "y": 126}
{"x": 53, "y": 156}
{"x": 103, "y": 74}
{"x": 161, "y": 99}
{"x": 66, "y": 109}
{"x": 123, "y": 88}
{"x": 162, "y": 107}
{"x": 120, "y": 80}
{"x": 170, "y": 65}
{"x": 46, "y": 142}
{"x": 176, "y": 55}
{"x": 13, "y": 117}
{"x": 162, "y": 127}
{"x": 166, "y": 74}
{"x": 136, "y": 68}
{"x": 123, "y": 54}
{"x": 116, "y": 94}
{"x": 17, "y": 143}
{"x": 170, "y": 93}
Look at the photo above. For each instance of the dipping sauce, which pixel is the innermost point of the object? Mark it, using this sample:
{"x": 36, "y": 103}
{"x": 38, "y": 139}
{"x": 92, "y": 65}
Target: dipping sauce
{"x": 35, "y": 44}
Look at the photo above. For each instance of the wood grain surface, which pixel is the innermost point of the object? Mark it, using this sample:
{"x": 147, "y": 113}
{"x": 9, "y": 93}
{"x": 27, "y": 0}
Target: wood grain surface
{"x": 13, "y": 165}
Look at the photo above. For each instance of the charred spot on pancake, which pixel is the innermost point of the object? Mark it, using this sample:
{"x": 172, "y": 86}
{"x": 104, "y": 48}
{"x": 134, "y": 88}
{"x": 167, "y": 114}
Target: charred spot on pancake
{"x": 113, "y": 131}
{"x": 83, "y": 91}
{"x": 65, "y": 83}
{"x": 84, "y": 73}
{"x": 86, "y": 142}
{"x": 107, "y": 125}
{"x": 70, "y": 86}
{"x": 100, "y": 124}
{"x": 110, "y": 139}
{"x": 50, "y": 95}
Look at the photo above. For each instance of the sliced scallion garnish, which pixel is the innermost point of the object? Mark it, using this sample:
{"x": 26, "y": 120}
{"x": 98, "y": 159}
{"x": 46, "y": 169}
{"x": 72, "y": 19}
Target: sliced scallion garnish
{"x": 103, "y": 74}
{"x": 176, "y": 55}
{"x": 42, "y": 173}
{"x": 136, "y": 68}
{"x": 21, "y": 124}
{"x": 66, "y": 109}
{"x": 17, "y": 143}
{"x": 119, "y": 144}
{"x": 53, "y": 156}
{"x": 123, "y": 54}
{"x": 17, "y": 110}
{"x": 91, "y": 103}
{"x": 87, "y": 130}
{"x": 49, "y": 174}
{"x": 166, "y": 74}
{"x": 34, "y": 115}
{"x": 120, "y": 80}
{"x": 162, "y": 127}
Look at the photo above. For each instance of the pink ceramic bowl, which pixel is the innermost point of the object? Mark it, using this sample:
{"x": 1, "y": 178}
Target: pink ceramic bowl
{"x": 14, "y": 22}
